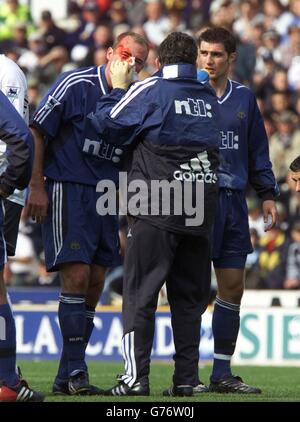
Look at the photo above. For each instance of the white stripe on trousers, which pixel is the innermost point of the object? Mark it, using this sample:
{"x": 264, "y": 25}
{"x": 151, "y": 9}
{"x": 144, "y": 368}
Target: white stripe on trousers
{"x": 128, "y": 354}
{"x": 57, "y": 198}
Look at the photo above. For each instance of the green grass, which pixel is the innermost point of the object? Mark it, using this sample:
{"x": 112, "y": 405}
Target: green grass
{"x": 278, "y": 384}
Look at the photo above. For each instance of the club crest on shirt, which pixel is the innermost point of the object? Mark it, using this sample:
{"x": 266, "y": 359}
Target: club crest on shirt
{"x": 51, "y": 103}
{"x": 75, "y": 246}
{"x": 12, "y": 92}
{"x": 241, "y": 114}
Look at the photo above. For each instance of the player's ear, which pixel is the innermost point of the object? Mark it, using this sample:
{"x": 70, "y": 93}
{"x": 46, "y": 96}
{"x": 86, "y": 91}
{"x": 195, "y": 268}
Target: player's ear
{"x": 232, "y": 57}
{"x": 109, "y": 53}
{"x": 157, "y": 63}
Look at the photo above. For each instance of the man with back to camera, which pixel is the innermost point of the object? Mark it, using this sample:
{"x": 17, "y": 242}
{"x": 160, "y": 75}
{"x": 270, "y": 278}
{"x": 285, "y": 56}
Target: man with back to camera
{"x": 16, "y": 135}
{"x": 78, "y": 242}
{"x": 171, "y": 121}
{"x": 244, "y": 157}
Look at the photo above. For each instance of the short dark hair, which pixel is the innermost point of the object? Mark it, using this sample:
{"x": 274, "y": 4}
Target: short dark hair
{"x": 219, "y": 35}
{"x": 178, "y": 47}
{"x": 136, "y": 38}
{"x": 295, "y": 165}
{"x": 46, "y": 15}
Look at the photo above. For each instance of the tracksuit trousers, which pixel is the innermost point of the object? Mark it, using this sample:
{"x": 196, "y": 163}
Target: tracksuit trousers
{"x": 153, "y": 257}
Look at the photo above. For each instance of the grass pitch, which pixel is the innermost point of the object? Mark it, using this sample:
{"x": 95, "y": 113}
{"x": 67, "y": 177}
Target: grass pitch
{"x": 279, "y": 384}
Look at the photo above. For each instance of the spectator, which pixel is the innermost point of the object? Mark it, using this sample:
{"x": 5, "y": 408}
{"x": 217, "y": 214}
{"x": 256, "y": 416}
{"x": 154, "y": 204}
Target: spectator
{"x": 24, "y": 263}
{"x": 157, "y": 25}
{"x": 135, "y": 12}
{"x": 222, "y": 13}
{"x": 290, "y": 49}
{"x": 52, "y": 34}
{"x": 100, "y": 56}
{"x": 256, "y": 219}
{"x": 295, "y": 173}
{"x": 37, "y": 49}
{"x": 248, "y": 16}
{"x": 273, "y": 254}
{"x": 280, "y": 101}
{"x": 284, "y": 143}
{"x": 273, "y": 14}
{"x": 292, "y": 280}
{"x": 252, "y": 275}
{"x": 11, "y": 12}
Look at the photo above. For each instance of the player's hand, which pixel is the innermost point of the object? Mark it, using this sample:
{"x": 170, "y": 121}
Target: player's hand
{"x": 121, "y": 73}
{"x": 38, "y": 203}
{"x": 270, "y": 214}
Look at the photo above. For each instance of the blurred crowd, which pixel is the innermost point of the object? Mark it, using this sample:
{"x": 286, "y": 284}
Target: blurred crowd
{"x": 268, "y": 34}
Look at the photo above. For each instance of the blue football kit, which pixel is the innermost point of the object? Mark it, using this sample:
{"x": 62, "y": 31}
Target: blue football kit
{"x": 244, "y": 158}
{"x": 76, "y": 159}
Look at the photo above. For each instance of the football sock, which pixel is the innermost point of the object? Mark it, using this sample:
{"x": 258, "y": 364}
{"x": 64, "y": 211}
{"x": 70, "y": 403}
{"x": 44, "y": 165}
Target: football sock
{"x": 7, "y": 346}
{"x": 89, "y": 325}
{"x": 63, "y": 373}
{"x": 225, "y": 328}
{"x": 72, "y": 320}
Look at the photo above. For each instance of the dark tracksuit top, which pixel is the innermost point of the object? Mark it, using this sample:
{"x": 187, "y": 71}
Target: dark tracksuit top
{"x": 171, "y": 120}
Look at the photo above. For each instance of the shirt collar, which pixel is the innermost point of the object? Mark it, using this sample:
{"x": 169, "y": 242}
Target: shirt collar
{"x": 180, "y": 70}
{"x": 227, "y": 93}
{"x": 102, "y": 80}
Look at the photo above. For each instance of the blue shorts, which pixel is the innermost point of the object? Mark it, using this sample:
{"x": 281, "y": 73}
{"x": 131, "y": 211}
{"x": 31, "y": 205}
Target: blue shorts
{"x": 73, "y": 231}
{"x": 3, "y": 255}
{"x": 230, "y": 261}
{"x": 231, "y": 237}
